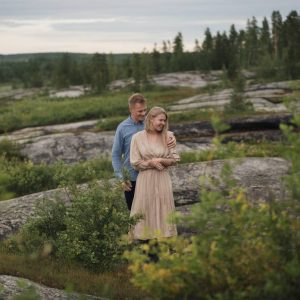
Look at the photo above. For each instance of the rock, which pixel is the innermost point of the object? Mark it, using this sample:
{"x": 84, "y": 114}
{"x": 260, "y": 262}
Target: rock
{"x": 191, "y": 131}
{"x": 259, "y": 177}
{"x": 189, "y": 79}
{"x": 267, "y": 97}
{"x": 71, "y": 92}
{"x": 74, "y": 142}
{"x": 26, "y": 134}
{"x": 13, "y": 286}
{"x": 69, "y": 147}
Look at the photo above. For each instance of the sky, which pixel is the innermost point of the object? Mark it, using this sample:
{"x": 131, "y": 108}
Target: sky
{"x": 111, "y": 26}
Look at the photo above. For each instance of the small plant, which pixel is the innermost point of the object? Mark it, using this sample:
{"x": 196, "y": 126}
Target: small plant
{"x": 88, "y": 231}
{"x": 238, "y": 103}
{"x": 241, "y": 250}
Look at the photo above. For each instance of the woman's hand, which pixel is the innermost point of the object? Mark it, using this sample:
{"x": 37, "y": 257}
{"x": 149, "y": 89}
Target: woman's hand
{"x": 156, "y": 163}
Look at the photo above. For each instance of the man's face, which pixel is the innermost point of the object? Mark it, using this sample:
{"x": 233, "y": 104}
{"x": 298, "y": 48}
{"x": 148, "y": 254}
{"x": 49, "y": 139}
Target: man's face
{"x": 138, "y": 111}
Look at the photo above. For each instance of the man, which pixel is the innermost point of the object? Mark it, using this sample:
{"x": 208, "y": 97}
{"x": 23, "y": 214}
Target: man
{"x": 134, "y": 123}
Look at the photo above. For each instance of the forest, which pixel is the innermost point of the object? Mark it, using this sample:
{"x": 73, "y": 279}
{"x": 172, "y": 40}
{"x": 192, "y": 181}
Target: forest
{"x": 272, "y": 49}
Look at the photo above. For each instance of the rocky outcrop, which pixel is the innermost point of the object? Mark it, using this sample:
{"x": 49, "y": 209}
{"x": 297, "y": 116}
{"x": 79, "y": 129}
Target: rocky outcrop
{"x": 246, "y": 128}
{"x": 260, "y": 177}
{"x": 192, "y": 79}
{"x": 69, "y": 147}
{"x": 13, "y": 286}
{"x": 189, "y": 79}
{"x": 265, "y": 98}
{"x": 77, "y": 142}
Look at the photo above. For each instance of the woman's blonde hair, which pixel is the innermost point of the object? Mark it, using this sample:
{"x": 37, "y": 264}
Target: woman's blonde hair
{"x": 154, "y": 112}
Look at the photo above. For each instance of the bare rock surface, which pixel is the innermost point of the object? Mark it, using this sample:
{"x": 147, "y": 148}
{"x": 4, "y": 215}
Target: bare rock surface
{"x": 26, "y": 134}
{"x": 264, "y": 97}
{"x": 259, "y": 177}
{"x": 69, "y": 147}
{"x": 76, "y": 142}
{"x": 13, "y": 286}
{"x": 192, "y": 79}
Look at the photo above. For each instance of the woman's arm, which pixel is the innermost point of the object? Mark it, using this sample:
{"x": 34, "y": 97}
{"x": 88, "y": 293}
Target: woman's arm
{"x": 136, "y": 160}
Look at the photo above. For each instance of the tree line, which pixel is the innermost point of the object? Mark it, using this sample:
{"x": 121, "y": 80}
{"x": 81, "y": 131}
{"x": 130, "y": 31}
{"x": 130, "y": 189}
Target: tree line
{"x": 271, "y": 48}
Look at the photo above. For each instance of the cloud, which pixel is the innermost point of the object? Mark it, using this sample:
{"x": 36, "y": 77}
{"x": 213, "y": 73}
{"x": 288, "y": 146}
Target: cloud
{"x": 126, "y": 26}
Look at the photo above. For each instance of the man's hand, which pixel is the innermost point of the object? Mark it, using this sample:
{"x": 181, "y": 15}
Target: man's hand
{"x": 127, "y": 186}
{"x": 171, "y": 140}
{"x": 156, "y": 163}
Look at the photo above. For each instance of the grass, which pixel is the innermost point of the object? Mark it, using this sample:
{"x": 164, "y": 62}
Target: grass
{"x": 114, "y": 284}
{"x": 5, "y": 87}
{"x": 233, "y": 150}
{"x": 39, "y": 111}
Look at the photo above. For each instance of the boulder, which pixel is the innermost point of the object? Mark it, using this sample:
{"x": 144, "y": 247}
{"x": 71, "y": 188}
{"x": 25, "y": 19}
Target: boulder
{"x": 261, "y": 178}
{"x": 264, "y": 97}
{"x": 13, "y": 286}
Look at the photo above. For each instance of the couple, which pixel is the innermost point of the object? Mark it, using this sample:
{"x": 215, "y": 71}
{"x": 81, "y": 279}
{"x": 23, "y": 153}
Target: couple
{"x": 149, "y": 149}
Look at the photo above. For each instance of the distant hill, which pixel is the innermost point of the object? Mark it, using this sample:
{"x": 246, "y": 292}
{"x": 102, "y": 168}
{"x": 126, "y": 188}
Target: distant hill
{"x": 23, "y": 57}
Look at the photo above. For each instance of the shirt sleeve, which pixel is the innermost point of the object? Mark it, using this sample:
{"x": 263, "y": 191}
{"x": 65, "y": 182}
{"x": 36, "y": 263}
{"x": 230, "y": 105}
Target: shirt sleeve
{"x": 136, "y": 160}
{"x": 117, "y": 153}
{"x": 173, "y": 152}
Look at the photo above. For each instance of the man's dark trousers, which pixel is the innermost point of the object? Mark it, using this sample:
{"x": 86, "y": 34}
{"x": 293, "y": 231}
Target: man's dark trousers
{"x": 129, "y": 195}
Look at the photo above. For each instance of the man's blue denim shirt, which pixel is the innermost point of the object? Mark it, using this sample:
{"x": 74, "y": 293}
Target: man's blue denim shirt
{"x": 121, "y": 147}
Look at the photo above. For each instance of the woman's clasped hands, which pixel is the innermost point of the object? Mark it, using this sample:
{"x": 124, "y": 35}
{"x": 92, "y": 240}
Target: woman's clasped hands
{"x": 156, "y": 163}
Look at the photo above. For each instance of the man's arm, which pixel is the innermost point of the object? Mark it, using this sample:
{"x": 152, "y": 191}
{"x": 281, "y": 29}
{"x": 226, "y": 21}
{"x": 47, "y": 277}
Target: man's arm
{"x": 117, "y": 150}
{"x": 171, "y": 140}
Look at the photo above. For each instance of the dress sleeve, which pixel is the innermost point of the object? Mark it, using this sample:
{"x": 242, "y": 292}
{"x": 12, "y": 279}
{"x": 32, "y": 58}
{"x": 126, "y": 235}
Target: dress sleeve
{"x": 173, "y": 154}
{"x": 136, "y": 160}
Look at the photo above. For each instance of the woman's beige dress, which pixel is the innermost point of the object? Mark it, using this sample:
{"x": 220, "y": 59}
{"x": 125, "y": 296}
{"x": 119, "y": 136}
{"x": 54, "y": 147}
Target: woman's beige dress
{"x": 153, "y": 193}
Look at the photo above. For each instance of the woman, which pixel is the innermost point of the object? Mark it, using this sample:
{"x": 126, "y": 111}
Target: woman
{"x": 153, "y": 197}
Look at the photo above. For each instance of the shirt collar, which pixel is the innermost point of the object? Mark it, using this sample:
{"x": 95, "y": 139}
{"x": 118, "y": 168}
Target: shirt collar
{"x": 135, "y": 123}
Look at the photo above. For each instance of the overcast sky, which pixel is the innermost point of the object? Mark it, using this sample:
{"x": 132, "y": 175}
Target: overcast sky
{"x": 121, "y": 26}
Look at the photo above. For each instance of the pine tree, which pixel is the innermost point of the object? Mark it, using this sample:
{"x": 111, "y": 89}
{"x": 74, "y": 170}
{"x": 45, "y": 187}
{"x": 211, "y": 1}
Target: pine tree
{"x": 207, "y": 51}
{"x": 166, "y": 57}
{"x": 291, "y": 28}
{"x": 265, "y": 39}
{"x": 177, "y": 57}
{"x": 233, "y": 53}
{"x": 112, "y": 68}
{"x": 61, "y": 77}
{"x": 277, "y": 38}
{"x": 156, "y": 61}
{"x": 99, "y": 72}
{"x": 252, "y": 43}
{"x": 136, "y": 71}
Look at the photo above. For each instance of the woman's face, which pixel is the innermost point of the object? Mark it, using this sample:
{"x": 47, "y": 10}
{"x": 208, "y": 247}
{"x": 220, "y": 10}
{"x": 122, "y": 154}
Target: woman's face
{"x": 158, "y": 123}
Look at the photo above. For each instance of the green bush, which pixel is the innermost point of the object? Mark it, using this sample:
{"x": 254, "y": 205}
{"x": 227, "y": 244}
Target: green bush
{"x": 10, "y": 150}
{"x": 242, "y": 250}
{"x": 27, "y": 178}
{"x": 18, "y": 178}
{"x": 88, "y": 231}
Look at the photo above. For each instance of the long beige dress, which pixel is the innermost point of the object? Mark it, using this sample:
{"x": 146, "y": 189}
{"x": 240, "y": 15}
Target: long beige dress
{"x": 153, "y": 193}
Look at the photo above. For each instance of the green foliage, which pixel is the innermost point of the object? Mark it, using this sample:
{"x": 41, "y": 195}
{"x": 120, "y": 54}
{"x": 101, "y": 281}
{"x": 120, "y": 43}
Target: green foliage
{"x": 232, "y": 150}
{"x": 242, "y": 249}
{"x": 10, "y": 150}
{"x": 45, "y": 111}
{"x": 87, "y": 232}
{"x": 238, "y": 103}
{"x": 29, "y": 291}
{"x": 19, "y": 178}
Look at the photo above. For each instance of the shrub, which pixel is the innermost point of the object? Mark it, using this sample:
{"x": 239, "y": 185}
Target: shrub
{"x": 10, "y": 150}
{"x": 241, "y": 250}
{"x": 88, "y": 232}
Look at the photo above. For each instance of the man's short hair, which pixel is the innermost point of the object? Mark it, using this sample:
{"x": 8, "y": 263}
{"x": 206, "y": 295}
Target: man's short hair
{"x": 136, "y": 98}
